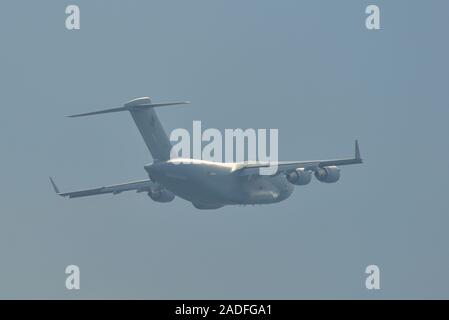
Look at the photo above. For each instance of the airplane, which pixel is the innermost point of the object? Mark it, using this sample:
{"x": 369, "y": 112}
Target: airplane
{"x": 206, "y": 184}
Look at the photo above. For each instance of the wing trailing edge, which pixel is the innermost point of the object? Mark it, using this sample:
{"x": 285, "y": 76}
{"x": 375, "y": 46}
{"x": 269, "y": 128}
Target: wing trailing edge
{"x": 138, "y": 186}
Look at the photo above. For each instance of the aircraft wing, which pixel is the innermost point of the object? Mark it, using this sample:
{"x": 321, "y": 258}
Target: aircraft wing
{"x": 138, "y": 186}
{"x": 285, "y": 166}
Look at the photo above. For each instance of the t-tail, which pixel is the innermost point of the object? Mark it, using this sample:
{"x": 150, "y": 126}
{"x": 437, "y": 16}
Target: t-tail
{"x": 142, "y": 111}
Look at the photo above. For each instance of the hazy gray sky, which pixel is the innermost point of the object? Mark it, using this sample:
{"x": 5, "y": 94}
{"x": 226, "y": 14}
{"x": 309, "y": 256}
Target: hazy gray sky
{"x": 309, "y": 68}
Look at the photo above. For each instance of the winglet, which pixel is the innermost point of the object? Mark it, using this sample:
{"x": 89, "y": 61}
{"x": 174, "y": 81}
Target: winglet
{"x": 54, "y": 186}
{"x": 357, "y": 151}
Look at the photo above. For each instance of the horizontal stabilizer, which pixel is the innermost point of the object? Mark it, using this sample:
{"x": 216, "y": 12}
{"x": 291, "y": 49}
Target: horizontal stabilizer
{"x": 131, "y": 107}
{"x": 118, "y": 109}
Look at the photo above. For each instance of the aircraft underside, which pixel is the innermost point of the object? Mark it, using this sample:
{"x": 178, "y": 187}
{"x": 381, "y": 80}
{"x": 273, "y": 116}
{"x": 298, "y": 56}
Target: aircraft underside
{"x": 210, "y": 194}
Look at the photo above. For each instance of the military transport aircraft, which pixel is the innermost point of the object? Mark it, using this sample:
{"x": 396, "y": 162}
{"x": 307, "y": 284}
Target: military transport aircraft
{"x": 206, "y": 184}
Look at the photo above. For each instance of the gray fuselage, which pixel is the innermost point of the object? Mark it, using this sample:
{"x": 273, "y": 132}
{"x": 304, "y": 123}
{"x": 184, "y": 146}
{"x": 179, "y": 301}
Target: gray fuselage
{"x": 213, "y": 184}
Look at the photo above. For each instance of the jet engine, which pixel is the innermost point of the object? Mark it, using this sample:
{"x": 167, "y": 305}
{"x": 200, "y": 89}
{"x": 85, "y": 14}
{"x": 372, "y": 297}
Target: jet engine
{"x": 328, "y": 174}
{"x": 161, "y": 195}
{"x": 299, "y": 177}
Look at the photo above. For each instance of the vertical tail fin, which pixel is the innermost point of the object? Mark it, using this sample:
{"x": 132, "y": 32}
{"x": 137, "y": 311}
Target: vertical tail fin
{"x": 147, "y": 122}
{"x": 151, "y": 129}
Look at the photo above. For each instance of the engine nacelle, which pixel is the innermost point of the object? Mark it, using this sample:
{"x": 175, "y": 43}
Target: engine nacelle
{"x": 161, "y": 195}
{"x": 299, "y": 177}
{"x": 328, "y": 174}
